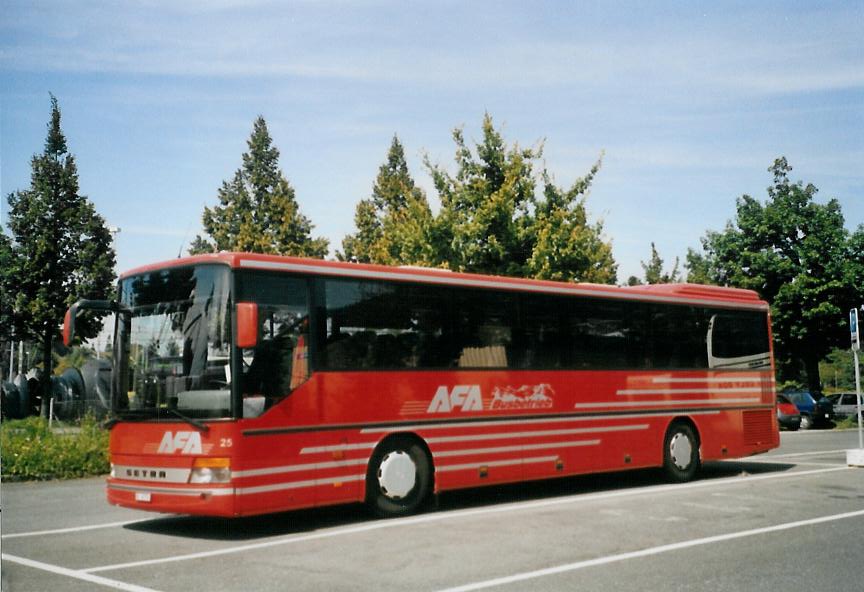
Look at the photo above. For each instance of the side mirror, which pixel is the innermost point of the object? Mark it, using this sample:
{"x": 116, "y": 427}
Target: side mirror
{"x": 107, "y": 306}
{"x": 69, "y": 325}
{"x": 247, "y": 324}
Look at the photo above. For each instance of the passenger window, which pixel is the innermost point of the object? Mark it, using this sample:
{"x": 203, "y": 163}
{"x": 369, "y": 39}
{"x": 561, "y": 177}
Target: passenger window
{"x": 279, "y": 363}
{"x": 376, "y": 325}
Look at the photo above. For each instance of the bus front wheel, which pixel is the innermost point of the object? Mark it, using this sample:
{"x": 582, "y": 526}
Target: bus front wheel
{"x": 399, "y": 479}
{"x": 680, "y": 452}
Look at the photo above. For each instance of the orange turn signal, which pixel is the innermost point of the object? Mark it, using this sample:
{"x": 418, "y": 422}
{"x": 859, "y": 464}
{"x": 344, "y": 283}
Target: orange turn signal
{"x": 212, "y": 463}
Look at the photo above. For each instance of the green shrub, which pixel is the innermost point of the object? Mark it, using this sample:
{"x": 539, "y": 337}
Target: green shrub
{"x": 846, "y": 423}
{"x": 30, "y": 450}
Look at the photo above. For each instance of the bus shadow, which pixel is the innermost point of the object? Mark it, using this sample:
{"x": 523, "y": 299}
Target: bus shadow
{"x": 318, "y": 519}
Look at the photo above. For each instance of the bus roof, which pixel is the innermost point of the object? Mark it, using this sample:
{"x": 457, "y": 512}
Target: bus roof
{"x": 672, "y": 293}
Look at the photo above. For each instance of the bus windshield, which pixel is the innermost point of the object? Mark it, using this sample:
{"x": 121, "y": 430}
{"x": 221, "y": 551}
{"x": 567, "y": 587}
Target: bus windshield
{"x": 173, "y": 344}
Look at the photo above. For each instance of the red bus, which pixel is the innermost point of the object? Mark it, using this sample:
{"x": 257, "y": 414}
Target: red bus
{"x": 245, "y": 384}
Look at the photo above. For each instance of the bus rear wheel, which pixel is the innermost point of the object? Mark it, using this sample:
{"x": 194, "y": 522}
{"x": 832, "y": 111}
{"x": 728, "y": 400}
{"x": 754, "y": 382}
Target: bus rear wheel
{"x": 399, "y": 479}
{"x": 680, "y": 453}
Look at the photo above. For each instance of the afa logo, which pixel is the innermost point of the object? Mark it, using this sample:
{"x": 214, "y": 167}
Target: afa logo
{"x": 466, "y": 397}
{"x": 184, "y": 442}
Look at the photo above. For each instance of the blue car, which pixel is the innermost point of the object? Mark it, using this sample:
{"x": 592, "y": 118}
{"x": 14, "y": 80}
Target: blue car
{"x": 813, "y": 412}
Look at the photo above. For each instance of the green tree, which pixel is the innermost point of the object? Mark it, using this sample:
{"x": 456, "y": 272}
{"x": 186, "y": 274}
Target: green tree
{"x": 485, "y": 208}
{"x": 6, "y": 287}
{"x": 394, "y": 222}
{"x": 491, "y": 220}
{"x": 61, "y": 249}
{"x": 654, "y": 273}
{"x": 258, "y": 211}
{"x": 566, "y": 245}
{"x": 698, "y": 268}
{"x": 798, "y": 256}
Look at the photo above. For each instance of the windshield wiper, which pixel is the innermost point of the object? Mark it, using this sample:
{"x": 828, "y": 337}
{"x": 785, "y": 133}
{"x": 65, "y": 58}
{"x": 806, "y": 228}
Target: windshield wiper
{"x": 193, "y": 422}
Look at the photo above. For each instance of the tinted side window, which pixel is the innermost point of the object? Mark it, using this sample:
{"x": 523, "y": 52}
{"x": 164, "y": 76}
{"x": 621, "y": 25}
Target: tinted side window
{"x": 380, "y": 325}
{"x": 544, "y": 340}
{"x": 678, "y": 335}
{"x": 739, "y": 333}
{"x": 608, "y": 334}
{"x": 486, "y": 327}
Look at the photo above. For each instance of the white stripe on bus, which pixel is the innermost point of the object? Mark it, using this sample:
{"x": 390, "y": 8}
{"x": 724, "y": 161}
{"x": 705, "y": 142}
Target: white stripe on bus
{"x": 495, "y": 463}
{"x": 301, "y": 467}
{"x": 689, "y": 391}
{"x": 299, "y": 484}
{"x": 685, "y": 402}
{"x": 455, "y": 424}
{"x": 215, "y": 492}
{"x": 495, "y": 449}
{"x": 536, "y": 434}
{"x": 714, "y": 379}
{"x": 339, "y": 447}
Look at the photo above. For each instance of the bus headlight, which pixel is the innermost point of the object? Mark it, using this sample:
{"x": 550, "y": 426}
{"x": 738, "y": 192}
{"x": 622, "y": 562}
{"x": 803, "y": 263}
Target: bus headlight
{"x": 211, "y": 470}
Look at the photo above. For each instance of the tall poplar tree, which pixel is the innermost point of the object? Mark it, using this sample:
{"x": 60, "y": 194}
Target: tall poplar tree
{"x": 258, "y": 210}
{"x": 61, "y": 249}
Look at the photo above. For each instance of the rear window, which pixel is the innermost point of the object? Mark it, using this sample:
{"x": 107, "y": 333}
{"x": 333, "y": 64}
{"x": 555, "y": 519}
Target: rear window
{"x": 782, "y": 399}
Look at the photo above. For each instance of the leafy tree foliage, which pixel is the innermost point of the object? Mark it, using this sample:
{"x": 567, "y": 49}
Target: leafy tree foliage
{"x": 393, "y": 224}
{"x": 654, "y": 273}
{"x": 6, "y": 287}
{"x": 798, "y": 256}
{"x": 838, "y": 370}
{"x": 492, "y": 220}
{"x": 698, "y": 268}
{"x": 61, "y": 249}
{"x": 258, "y": 211}
{"x": 568, "y": 246}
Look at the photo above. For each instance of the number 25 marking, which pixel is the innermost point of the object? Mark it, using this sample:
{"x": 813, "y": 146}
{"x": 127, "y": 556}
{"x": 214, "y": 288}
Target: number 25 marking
{"x": 225, "y": 442}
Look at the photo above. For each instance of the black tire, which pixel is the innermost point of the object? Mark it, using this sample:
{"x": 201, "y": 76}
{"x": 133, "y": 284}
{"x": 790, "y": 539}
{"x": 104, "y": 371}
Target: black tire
{"x": 680, "y": 453}
{"x": 398, "y": 458}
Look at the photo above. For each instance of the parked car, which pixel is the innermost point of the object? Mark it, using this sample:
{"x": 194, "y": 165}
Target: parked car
{"x": 813, "y": 412}
{"x": 845, "y": 404}
{"x": 788, "y": 415}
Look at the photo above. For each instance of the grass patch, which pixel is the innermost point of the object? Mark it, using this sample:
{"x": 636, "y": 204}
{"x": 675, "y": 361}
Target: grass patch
{"x": 846, "y": 423}
{"x": 32, "y": 451}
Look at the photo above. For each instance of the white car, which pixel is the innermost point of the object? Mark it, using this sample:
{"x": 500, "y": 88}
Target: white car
{"x": 844, "y": 404}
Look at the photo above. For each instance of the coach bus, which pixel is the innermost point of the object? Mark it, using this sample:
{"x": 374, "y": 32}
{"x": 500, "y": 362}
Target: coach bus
{"x": 245, "y": 384}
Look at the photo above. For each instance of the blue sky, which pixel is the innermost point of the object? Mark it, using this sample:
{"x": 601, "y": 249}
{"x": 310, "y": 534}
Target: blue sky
{"x": 691, "y": 103}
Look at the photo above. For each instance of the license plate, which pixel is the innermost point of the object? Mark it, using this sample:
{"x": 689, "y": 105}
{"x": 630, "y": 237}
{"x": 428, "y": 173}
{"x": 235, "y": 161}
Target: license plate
{"x": 142, "y": 497}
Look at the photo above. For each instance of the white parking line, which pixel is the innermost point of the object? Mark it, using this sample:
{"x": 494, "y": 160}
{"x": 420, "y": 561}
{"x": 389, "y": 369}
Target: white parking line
{"x": 567, "y": 567}
{"x": 72, "y": 529}
{"x": 78, "y": 575}
{"x": 798, "y": 463}
{"x": 442, "y": 516}
{"x": 794, "y": 454}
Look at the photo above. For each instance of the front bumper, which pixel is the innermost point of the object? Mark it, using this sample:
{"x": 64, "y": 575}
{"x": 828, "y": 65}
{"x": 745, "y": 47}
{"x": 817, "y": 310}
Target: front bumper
{"x": 211, "y": 500}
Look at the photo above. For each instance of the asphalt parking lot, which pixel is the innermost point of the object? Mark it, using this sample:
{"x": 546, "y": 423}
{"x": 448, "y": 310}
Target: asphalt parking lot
{"x": 789, "y": 520}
